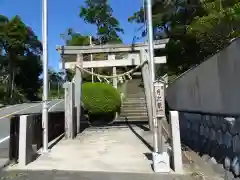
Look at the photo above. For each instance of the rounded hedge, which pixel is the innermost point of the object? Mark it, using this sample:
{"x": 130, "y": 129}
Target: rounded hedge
{"x": 100, "y": 98}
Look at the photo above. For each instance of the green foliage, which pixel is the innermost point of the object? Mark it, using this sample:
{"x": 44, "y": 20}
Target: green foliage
{"x": 73, "y": 38}
{"x": 197, "y": 29}
{"x": 69, "y": 75}
{"x": 100, "y": 98}
{"x": 2, "y": 94}
{"x": 19, "y": 59}
{"x": 27, "y": 77}
{"x": 99, "y": 13}
{"x": 217, "y": 26}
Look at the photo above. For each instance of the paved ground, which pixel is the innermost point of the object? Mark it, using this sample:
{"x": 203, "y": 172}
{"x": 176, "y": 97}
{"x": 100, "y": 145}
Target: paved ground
{"x": 97, "y": 154}
{"x": 25, "y": 108}
{"x": 107, "y": 154}
{"x": 109, "y": 150}
{"x": 83, "y": 175}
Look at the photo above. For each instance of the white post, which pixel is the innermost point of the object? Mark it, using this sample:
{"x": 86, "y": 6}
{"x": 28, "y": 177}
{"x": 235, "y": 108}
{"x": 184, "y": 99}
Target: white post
{"x": 91, "y": 56}
{"x": 152, "y": 71}
{"x": 147, "y": 87}
{"x": 78, "y": 91}
{"x": 70, "y": 130}
{"x": 66, "y": 108}
{"x": 115, "y": 80}
{"x": 45, "y": 76}
{"x": 176, "y": 142}
{"x": 25, "y": 140}
{"x": 72, "y": 124}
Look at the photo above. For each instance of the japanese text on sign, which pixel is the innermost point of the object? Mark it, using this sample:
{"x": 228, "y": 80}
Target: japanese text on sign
{"x": 159, "y": 99}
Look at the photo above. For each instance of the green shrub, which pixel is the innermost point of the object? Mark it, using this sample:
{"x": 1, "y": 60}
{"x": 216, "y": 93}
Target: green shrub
{"x": 100, "y": 98}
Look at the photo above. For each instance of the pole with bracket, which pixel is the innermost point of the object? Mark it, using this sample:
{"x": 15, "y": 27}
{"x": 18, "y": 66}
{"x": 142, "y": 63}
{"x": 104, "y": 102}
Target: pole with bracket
{"x": 152, "y": 71}
{"x": 160, "y": 161}
{"x": 45, "y": 76}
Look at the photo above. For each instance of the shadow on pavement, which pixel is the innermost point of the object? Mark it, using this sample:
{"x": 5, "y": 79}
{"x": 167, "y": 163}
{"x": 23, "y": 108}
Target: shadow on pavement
{"x": 143, "y": 127}
{"x": 139, "y": 136}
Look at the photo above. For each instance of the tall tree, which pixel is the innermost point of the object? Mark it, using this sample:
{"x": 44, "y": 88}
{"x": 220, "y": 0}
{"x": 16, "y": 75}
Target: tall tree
{"x": 55, "y": 77}
{"x": 99, "y": 13}
{"x": 217, "y": 26}
{"x": 21, "y": 48}
{"x": 196, "y": 29}
{"x": 71, "y": 38}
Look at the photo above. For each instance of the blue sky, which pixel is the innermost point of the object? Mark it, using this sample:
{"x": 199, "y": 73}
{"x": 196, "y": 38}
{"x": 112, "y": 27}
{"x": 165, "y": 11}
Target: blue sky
{"x": 64, "y": 14}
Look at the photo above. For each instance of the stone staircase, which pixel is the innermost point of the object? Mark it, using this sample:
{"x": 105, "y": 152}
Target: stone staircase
{"x": 134, "y": 108}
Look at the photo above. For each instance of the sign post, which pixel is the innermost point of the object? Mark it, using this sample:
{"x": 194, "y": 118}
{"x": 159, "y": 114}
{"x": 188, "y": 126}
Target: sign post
{"x": 162, "y": 161}
{"x": 159, "y": 88}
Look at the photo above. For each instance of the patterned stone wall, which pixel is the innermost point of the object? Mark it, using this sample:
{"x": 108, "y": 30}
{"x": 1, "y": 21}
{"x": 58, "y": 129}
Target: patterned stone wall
{"x": 217, "y": 136}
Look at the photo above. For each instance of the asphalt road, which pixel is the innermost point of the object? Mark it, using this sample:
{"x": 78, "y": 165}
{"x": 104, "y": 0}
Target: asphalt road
{"x": 26, "y": 108}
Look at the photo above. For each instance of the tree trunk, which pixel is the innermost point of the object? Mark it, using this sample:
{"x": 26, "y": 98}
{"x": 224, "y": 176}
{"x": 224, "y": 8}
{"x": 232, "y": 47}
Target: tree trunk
{"x": 10, "y": 84}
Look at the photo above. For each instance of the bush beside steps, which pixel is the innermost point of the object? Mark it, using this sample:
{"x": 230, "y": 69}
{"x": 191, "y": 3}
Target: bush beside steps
{"x": 102, "y": 101}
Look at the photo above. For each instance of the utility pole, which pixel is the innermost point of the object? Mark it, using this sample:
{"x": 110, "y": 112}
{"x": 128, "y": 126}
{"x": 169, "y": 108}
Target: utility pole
{"x": 45, "y": 75}
{"x": 152, "y": 71}
{"x": 91, "y": 56}
{"x": 161, "y": 161}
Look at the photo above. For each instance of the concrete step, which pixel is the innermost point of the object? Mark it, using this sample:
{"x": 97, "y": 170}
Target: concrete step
{"x": 130, "y": 121}
{"x": 136, "y": 110}
{"x": 137, "y": 118}
{"x": 135, "y": 100}
{"x": 135, "y": 103}
{"x": 134, "y": 107}
{"x": 142, "y": 95}
{"x": 142, "y": 113}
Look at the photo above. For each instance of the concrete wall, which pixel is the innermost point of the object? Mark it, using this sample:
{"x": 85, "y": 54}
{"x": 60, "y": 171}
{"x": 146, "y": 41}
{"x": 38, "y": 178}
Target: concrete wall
{"x": 26, "y": 135}
{"x": 217, "y": 136}
{"x": 211, "y": 87}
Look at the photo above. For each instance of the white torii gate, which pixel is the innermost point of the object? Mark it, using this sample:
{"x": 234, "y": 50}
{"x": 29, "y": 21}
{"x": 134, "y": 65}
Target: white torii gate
{"x": 137, "y": 54}
{"x": 72, "y": 57}
{"x": 141, "y": 50}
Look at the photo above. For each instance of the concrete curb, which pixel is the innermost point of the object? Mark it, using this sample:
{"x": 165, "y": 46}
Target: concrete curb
{"x": 4, "y": 164}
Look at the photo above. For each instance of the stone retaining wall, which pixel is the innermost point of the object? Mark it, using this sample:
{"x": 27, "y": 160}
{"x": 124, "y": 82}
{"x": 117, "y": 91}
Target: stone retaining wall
{"x": 217, "y": 136}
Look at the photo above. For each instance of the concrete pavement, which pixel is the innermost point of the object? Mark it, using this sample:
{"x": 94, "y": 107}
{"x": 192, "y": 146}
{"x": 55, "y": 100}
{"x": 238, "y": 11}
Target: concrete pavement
{"x": 83, "y": 175}
{"x": 113, "y": 149}
{"x": 112, "y": 153}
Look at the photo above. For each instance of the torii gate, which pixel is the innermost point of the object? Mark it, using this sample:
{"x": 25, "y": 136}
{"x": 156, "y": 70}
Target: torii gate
{"x": 72, "y": 56}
